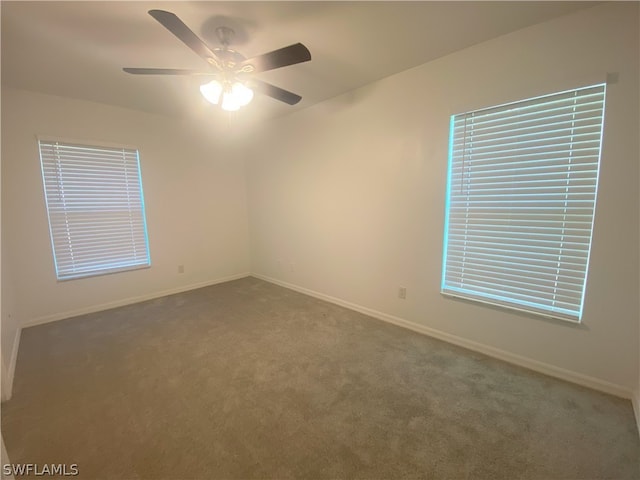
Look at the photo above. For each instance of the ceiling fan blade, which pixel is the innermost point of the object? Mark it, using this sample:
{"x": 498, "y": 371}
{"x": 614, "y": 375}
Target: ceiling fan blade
{"x": 176, "y": 26}
{"x": 164, "y": 71}
{"x": 274, "y": 92}
{"x": 296, "y": 53}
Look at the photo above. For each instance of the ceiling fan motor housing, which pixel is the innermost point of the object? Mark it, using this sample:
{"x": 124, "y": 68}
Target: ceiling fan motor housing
{"x": 225, "y": 34}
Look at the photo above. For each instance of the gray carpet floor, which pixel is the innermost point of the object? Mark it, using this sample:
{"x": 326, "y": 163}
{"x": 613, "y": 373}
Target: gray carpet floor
{"x": 250, "y": 380}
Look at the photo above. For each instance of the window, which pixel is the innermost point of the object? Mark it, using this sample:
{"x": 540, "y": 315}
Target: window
{"x": 95, "y": 207}
{"x": 520, "y": 202}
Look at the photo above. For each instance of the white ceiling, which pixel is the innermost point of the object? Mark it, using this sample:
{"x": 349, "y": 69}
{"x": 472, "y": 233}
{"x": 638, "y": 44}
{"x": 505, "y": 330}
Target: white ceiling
{"x": 78, "y": 49}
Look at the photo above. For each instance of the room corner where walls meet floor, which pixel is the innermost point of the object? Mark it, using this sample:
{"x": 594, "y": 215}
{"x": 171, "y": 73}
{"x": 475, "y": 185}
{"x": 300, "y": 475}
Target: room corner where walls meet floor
{"x": 508, "y": 357}
{"x": 295, "y": 387}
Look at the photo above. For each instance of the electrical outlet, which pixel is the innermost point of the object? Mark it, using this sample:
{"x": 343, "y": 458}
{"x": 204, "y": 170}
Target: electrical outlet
{"x": 402, "y": 292}
{"x": 180, "y": 268}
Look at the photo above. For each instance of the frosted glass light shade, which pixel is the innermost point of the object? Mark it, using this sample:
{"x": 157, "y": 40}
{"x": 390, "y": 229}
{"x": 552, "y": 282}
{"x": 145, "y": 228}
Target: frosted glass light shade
{"x": 242, "y": 94}
{"x": 230, "y": 102}
{"x": 230, "y": 97}
{"x": 212, "y": 91}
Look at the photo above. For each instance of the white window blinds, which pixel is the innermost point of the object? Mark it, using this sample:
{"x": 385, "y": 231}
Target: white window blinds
{"x": 96, "y": 208}
{"x": 520, "y": 202}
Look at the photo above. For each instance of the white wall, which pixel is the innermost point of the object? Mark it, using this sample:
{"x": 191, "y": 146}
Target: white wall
{"x": 195, "y": 199}
{"x": 347, "y": 198}
{"x": 9, "y": 331}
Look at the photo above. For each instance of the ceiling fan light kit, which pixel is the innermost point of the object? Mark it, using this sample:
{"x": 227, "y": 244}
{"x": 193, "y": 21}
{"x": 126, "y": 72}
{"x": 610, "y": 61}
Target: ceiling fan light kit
{"x": 233, "y": 85}
{"x": 230, "y": 97}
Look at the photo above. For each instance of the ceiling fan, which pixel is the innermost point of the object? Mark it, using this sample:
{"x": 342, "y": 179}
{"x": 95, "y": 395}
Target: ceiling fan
{"x": 232, "y": 83}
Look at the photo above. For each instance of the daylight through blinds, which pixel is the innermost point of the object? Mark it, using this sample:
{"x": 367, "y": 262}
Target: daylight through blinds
{"x": 520, "y": 202}
{"x": 96, "y": 208}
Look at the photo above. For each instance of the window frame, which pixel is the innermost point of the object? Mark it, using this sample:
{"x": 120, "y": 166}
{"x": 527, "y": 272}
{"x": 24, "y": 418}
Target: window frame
{"x": 109, "y": 266}
{"x": 505, "y": 302}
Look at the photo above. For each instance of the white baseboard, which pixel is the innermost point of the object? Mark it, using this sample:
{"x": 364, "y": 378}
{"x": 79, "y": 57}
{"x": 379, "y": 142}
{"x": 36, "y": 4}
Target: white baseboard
{"x": 128, "y": 301}
{"x": 9, "y": 372}
{"x": 5, "y": 394}
{"x": 636, "y": 406}
{"x": 531, "y": 364}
